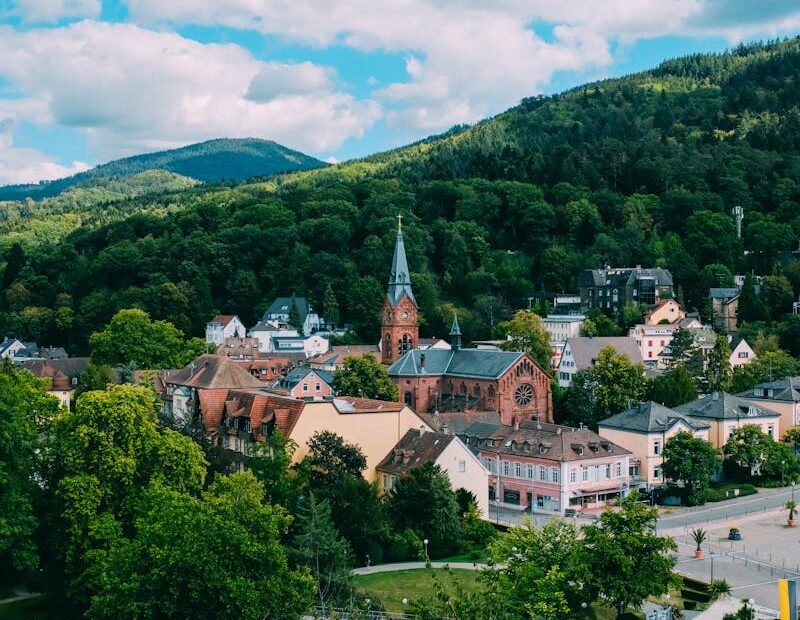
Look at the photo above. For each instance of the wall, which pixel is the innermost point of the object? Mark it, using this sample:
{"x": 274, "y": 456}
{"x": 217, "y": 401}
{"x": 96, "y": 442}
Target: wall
{"x": 308, "y": 387}
{"x": 790, "y": 412}
{"x": 474, "y": 478}
{"x": 376, "y": 433}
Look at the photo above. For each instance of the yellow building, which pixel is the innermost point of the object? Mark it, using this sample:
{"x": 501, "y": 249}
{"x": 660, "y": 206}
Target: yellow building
{"x": 664, "y": 311}
{"x": 644, "y": 429}
{"x": 781, "y": 396}
{"x": 725, "y": 413}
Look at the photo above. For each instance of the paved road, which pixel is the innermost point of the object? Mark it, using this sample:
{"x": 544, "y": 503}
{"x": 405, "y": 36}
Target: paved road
{"x": 386, "y": 568}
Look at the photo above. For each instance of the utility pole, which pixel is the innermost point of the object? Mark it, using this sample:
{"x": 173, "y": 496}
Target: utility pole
{"x": 738, "y": 214}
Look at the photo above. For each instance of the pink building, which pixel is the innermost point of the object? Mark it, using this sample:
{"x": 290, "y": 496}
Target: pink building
{"x": 553, "y": 468}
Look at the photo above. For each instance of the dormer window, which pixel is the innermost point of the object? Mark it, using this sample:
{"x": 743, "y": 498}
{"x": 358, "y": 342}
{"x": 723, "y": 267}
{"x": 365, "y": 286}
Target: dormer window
{"x": 526, "y": 446}
{"x": 542, "y": 449}
{"x": 490, "y": 443}
{"x": 758, "y": 392}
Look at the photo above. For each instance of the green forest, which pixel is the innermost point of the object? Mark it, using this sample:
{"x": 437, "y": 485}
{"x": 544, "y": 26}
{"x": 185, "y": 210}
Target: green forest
{"x": 639, "y": 170}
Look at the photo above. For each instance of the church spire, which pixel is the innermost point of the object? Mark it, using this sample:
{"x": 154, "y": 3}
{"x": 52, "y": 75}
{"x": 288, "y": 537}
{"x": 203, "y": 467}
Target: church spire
{"x": 399, "y": 278}
{"x": 455, "y": 333}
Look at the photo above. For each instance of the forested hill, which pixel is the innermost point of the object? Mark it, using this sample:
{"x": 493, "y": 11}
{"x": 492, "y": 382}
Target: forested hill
{"x": 214, "y": 160}
{"x": 638, "y": 170}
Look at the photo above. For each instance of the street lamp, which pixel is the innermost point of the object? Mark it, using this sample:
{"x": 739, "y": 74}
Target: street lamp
{"x": 782, "y": 462}
{"x": 751, "y": 602}
{"x": 711, "y": 555}
{"x": 793, "y": 483}
{"x": 425, "y": 542}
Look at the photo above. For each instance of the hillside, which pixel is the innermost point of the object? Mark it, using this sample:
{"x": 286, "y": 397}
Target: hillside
{"x": 214, "y": 160}
{"x": 638, "y": 170}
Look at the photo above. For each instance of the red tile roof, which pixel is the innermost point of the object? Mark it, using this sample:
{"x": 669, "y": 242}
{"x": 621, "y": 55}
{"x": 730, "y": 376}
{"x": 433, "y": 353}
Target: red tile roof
{"x": 212, "y": 405}
{"x": 414, "y": 449}
{"x": 224, "y": 319}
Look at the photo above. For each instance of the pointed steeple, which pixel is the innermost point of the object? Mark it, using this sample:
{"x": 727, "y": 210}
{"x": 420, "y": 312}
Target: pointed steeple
{"x": 455, "y": 334}
{"x": 399, "y": 278}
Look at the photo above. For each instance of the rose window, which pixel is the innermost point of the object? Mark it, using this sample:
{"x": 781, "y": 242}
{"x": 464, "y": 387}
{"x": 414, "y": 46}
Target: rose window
{"x": 523, "y": 395}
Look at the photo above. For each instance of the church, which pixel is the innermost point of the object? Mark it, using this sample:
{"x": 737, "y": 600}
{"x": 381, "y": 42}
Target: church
{"x": 509, "y": 383}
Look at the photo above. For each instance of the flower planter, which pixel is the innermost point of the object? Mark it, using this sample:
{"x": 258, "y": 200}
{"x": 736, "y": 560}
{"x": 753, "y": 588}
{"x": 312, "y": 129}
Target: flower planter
{"x": 790, "y": 522}
{"x": 698, "y": 553}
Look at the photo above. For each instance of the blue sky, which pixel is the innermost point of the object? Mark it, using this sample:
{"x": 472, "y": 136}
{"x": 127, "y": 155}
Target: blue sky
{"x": 86, "y": 81}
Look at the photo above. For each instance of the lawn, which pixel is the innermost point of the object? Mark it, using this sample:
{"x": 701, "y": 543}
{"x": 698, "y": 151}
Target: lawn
{"x": 392, "y": 587}
{"x": 28, "y": 609}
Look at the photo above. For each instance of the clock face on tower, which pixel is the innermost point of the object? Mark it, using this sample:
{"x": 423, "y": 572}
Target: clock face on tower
{"x": 404, "y": 315}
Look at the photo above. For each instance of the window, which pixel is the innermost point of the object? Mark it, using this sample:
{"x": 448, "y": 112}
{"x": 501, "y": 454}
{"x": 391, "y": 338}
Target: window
{"x": 542, "y": 473}
{"x": 385, "y": 482}
{"x": 758, "y": 392}
{"x": 662, "y": 343}
{"x": 656, "y": 472}
{"x": 585, "y": 474}
{"x": 554, "y": 474}
{"x": 608, "y": 470}
{"x": 305, "y": 387}
{"x": 656, "y": 448}
{"x": 462, "y": 466}
{"x": 74, "y": 381}
{"x": 743, "y": 355}
{"x": 529, "y": 472}
{"x": 619, "y": 470}
{"x": 518, "y": 470}
{"x": 649, "y": 343}
{"x": 319, "y": 387}
{"x": 770, "y": 430}
{"x": 506, "y": 468}
{"x": 573, "y": 475}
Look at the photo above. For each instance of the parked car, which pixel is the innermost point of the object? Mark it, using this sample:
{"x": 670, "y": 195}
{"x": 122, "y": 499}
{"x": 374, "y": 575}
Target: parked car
{"x": 734, "y": 533}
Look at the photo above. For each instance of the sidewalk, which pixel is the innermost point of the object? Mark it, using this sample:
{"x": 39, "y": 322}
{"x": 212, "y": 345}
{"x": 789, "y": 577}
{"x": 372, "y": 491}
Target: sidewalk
{"x": 386, "y": 568}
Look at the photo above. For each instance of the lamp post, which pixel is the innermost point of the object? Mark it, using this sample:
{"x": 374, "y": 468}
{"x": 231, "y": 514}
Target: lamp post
{"x": 751, "y": 602}
{"x": 711, "y": 555}
{"x": 782, "y": 462}
{"x": 427, "y": 558}
{"x": 793, "y": 483}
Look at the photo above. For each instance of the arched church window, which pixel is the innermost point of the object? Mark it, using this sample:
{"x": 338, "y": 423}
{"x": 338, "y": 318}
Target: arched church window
{"x": 476, "y": 391}
{"x": 463, "y": 389}
{"x": 404, "y": 344}
{"x": 490, "y": 391}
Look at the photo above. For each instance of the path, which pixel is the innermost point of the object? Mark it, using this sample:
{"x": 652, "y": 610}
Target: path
{"x": 387, "y": 568}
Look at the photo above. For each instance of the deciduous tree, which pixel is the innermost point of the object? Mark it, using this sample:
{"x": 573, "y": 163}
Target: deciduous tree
{"x": 363, "y": 376}
{"x": 692, "y": 462}
{"x": 529, "y": 336}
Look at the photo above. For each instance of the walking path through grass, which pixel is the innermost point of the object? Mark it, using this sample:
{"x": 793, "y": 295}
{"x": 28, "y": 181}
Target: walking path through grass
{"x": 400, "y": 566}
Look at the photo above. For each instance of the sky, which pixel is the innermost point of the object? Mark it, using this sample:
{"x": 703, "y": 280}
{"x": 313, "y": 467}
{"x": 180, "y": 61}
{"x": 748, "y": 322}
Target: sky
{"x": 87, "y": 81}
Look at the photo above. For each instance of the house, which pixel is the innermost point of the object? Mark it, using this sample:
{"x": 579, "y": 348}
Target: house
{"x": 781, "y": 396}
{"x": 306, "y": 382}
{"x": 561, "y": 328}
{"x": 309, "y": 347}
{"x": 279, "y": 311}
{"x": 554, "y": 468}
{"x": 612, "y": 289}
{"x": 664, "y": 311}
{"x": 644, "y": 430}
{"x": 741, "y": 352}
{"x": 265, "y": 331}
{"x": 725, "y": 413}
{"x": 582, "y": 353}
{"x": 238, "y": 348}
{"x": 335, "y": 357}
{"x": 419, "y": 446}
{"x": 243, "y": 417}
{"x": 205, "y": 379}
{"x": 724, "y": 308}
{"x": 222, "y": 327}
{"x": 270, "y": 369}
{"x": 457, "y": 379}
{"x": 9, "y": 347}
{"x": 654, "y": 340}
{"x": 399, "y": 329}
{"x": 61, "y": 374}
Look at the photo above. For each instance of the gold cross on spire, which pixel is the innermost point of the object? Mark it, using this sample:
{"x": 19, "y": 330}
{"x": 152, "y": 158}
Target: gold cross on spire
{"x": 399, "y": 222}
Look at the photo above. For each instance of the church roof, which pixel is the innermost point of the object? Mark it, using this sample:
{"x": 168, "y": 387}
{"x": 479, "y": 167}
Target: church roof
{"x": 399, "y": 278}
{"x": 472, "y": 363}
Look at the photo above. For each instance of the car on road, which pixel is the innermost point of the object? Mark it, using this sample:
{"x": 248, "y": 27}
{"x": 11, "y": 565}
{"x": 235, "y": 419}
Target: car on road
{"x": 734, "y": 533}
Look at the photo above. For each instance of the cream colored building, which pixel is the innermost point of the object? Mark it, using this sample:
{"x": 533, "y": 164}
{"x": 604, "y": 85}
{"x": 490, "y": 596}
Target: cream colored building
{"x": 664, "y": 311}
{"x": 725, "y": 413}
{"x": 782, "y": 396}
{"x": 741, "y": 352}
{"x": 645, "y": 429}
{"x": 417, "y": 447}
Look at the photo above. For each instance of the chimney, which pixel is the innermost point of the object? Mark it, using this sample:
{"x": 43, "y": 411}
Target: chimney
{"x": 422, "y": 361}
{"x": 558, "y": 431}
{"x": 580, "y": 426}
{"x": 715, "y": 395}
{"x": 445, "y": 429}
{"x": 421, "y": 430}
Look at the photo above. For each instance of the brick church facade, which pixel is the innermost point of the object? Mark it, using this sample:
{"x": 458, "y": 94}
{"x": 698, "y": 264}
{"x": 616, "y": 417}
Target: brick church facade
{"x": 455, "y": 379}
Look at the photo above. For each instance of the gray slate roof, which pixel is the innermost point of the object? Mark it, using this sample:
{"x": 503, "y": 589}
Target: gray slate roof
{"x": 723, "y": 293}
{"x": 296, "y": 375}
{"x": 784, "y": 390}
{"x": 280, "y": 307}
{"x": 472, "y": 363}
{"x": 585, "y": 350}
{"x": 399, "y": 277}
{"x": 622, "y": 276}
{"x": 650, "y": 417}
{"x": 724, "y": 406}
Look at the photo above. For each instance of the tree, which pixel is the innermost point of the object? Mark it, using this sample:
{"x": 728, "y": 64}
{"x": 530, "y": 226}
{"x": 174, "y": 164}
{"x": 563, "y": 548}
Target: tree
{"x": 680, "y": 346}
{"x": 271, "y": 464}
{"x": 633, "y": 314}
{"x": 792, "y": 438}
{"x": 751, "y": 308}
{"x": 777, "y": 295}
{"x": 360, "y": 515}
{"x": 212, "y": 557}
{"x": 330, "y": 307}
{"x": 131, "y": 337}
{"x": 294, "y": 315}
{"x": 767, "y": 367}
{"x": 748, "y": 446}
{"x": 607, "y": 387}
{"x": 536, "y": 571}
{"x": 622, "y": 557}
{"x": 363, "y": 376}
{"x": 718, "y": 366}
{"x": 319, "y": 548}
{"x": 27, "y": 411}
{"x": 330, "y": 459}
{"x": 692, "y": 462}
{"x": 674, "y": 388}
{"x": 424, "y": 501}
{"x": 598, "y": 324}
{"x": 104, "y": 455}
{"x": 529, "y": 336}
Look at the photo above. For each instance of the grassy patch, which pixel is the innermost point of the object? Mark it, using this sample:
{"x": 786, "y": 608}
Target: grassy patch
{"x": 6, "y": 593}
{"x": 721, "y": 492}
{"x": 469, "y": 558}
{"x": 415, "y": 585}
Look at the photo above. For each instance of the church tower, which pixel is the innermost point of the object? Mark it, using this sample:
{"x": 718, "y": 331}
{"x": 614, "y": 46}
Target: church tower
{"x": 399, "y": 329}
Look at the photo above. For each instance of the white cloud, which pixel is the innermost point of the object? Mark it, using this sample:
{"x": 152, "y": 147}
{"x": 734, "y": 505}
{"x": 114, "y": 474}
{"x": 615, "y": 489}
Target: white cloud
{"x": 133, "y": 89}
{"x": 49, "y": 11}
{"x": 470, "y": 58}
{"x": 27, "y": 165}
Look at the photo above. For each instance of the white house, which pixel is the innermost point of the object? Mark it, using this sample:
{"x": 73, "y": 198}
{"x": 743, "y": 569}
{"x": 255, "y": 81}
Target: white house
{"x": 265, "y": 331}
{"x": 741, "y": 352}
{"x": 581, "y": 353}
{"x": 10, "y": 347}
{"x": 222, "y": 327}
{"x": 561, "y": 328}
{"x": 310, "y": 321}
{"x": 420, "y": 446}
